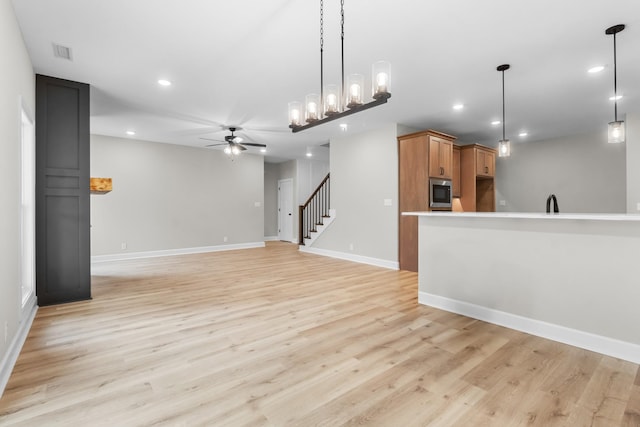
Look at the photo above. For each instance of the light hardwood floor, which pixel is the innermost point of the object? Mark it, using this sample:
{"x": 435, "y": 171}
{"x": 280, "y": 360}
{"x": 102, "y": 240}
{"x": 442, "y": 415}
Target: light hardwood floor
{"x": 275, "y": 337}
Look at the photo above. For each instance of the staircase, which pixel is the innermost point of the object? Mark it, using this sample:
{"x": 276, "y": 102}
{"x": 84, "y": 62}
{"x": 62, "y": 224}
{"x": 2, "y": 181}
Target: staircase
{"x": 315, "y": 215}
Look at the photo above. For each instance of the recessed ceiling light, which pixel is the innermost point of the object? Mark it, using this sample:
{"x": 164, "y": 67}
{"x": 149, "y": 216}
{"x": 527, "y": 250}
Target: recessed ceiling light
{"x": 596, "y": 69}
{"x": 163, "y": 82}
{"x": 131, "y": 133}
{"x": 343, "y": 127}
{"x": 523, "y": 133}
{"x": 458, "y": 106}
{"x": 495, "y": 122}
{"x": 263, "y": 150}
{"x": 309, "y": 154}
{"x": 615, "y": 98}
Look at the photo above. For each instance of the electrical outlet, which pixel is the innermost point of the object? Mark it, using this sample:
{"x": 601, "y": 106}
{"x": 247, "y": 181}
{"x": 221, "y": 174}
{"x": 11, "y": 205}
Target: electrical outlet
{"x": 638, "y": 206}
{"x": 387, "y": 202}
{"x": 123, "y": 246}
{"x": 503, "y": 203}
{"x": 225, "y": 239}
{"x": 351, "y": 246}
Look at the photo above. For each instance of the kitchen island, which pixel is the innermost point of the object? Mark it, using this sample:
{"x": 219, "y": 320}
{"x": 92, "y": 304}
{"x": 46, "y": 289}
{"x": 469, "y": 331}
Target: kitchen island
{"x": 573, "y": 278}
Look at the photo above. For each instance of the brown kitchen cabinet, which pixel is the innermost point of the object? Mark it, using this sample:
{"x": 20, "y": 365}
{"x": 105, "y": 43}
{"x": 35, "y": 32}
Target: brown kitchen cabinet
{"x": 440, "y": 157}
{"x": 455, "y": 178}
{"x": 415, "y": 152}
{"x": 485, "y": 162}
{"x": 477, "y": 170}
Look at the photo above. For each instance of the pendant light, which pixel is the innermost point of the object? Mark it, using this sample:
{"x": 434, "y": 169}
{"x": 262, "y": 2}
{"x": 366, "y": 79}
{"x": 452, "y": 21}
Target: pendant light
{"x": 616, "y": 133}
{"x": 504, "y": 145}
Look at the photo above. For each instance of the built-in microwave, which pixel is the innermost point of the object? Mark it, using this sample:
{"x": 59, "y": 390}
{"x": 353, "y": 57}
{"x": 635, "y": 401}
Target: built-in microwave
{"x": 440, "y": 194}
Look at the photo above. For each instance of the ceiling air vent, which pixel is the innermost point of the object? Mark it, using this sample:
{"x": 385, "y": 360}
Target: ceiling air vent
{"x": 60, "y": 51}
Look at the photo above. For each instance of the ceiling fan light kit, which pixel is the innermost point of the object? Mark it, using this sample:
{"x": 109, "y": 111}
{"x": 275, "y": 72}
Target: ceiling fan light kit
{"x": 234, "y": 144}
{"x": 616, "y": 130}
{"x": 336, "y": 102}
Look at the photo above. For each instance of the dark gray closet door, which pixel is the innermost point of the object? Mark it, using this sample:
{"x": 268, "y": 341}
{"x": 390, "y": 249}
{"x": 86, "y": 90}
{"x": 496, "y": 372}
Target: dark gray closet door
{"x": 63, "y": 252}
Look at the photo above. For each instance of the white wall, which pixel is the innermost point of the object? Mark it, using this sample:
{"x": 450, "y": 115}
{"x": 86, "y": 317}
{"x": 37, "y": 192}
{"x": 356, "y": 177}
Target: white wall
{"x": 364, "y": 172}
{"x": 586, "y": 174}
{"x": 571, "y": 280}
{"x": 17, "y": 83}
{"x": 173, "y": 197}
{"x": 633, "y": 163}
{"x": 310, "y": 174}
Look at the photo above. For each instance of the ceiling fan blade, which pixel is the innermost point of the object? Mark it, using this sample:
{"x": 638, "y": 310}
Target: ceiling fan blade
{"x": 210, "y": 139}
{"x": 240, "y": 147}
{"x": 251, "y": 144}
{"x": 216, "y": 145}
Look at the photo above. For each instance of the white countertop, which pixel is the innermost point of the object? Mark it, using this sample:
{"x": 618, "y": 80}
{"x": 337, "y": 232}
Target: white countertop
{"x": 529, "y": 215}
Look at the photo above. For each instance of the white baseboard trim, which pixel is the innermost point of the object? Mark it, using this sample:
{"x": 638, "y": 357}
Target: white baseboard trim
{"x": 393, "y": 265}
{"x": 270, "y": 238}
{"x": 9, "y": 360}
{"x": 172, "y": 252}
{"x": 586, "y": 340}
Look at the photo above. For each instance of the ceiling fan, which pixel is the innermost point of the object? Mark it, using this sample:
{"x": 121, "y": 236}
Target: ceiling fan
{"x": 234, "y": 144}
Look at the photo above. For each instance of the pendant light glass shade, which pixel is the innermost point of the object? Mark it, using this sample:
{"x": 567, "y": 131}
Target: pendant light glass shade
{"x": 616, "y": 132}
{"x": 504, "y": 148}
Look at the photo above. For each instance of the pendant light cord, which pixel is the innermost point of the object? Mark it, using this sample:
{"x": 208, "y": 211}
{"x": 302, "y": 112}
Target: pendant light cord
{"x": 615, "y": 80}
{"x": 503, "y": 115}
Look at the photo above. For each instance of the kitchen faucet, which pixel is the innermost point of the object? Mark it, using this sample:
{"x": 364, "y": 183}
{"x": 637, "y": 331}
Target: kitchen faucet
{"x": 555, "y": 204}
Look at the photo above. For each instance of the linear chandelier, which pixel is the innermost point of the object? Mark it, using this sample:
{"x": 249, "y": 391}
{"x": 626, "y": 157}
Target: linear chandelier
{"x": 333, "y": 102}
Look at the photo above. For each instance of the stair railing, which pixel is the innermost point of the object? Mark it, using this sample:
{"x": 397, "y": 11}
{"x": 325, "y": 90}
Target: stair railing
{"x": 313, "y": 212}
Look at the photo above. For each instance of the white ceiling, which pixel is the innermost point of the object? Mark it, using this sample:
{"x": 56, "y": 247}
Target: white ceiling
{"x": 240, "y": 62}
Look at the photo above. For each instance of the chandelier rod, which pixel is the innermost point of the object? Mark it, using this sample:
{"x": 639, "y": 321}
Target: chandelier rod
{"x": 343, "y": 95}
{"x": 321, "y": 55}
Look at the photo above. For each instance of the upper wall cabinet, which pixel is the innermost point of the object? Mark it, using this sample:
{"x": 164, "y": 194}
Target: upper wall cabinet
{"x": 440, "y": 157}
{"x": 485, "y": 162}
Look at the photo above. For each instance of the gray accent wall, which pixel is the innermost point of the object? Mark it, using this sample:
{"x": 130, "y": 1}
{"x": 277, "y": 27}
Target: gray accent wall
{"x": 586, "y": 174}
{"x": 364, "y": 172}
{"x": 173, "y": 197}
{"x": 271, "y": 171}
{"x": 17, "y": 87}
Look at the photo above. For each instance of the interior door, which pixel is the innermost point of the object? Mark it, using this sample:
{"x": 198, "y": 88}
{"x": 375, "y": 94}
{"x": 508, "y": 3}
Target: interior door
{"x": 285, "y": 210}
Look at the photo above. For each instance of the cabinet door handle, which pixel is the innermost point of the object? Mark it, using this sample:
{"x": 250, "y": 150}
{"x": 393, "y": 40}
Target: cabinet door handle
{"x": 486, "y": 169}
{"x": 441, "y": 170}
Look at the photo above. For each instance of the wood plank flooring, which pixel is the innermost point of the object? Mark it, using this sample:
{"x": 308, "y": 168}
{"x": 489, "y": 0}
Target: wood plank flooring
{"x": 275, "y": 337}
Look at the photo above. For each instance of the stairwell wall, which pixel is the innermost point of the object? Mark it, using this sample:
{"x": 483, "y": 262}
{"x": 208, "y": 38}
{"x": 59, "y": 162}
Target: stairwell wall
{"x": 364, "y": 174}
